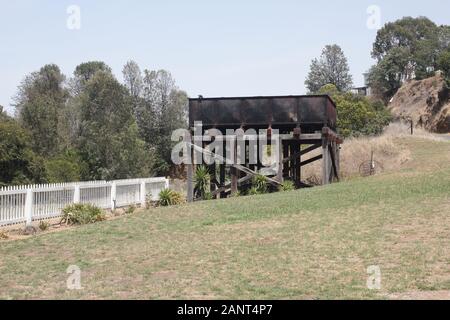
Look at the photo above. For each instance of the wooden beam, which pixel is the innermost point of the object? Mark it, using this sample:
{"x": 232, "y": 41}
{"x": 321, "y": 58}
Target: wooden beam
{"x": 301, "y": 153}
{"x": 316, "y": 158}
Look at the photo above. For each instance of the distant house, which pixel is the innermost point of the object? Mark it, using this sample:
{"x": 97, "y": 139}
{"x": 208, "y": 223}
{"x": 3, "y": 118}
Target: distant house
{"x": 365, "y": 90}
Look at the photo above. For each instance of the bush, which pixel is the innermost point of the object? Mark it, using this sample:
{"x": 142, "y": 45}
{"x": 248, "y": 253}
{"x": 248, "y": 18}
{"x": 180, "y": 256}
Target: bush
{"x": 78, "y": 214}
{"x": 169, "y": 197}
{"x": 358, "y": 115}
{"x": 260, "y": 184}
{"x": 287, "y": 186}
{"x": 253, "y": 191}
{"x": 201, "y": 180}
{"x": 44, "y": 225}
{"x": 3, "y": 236}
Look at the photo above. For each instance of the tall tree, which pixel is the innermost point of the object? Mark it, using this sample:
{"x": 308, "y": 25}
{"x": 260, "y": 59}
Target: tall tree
{"x": 109, "y": 140}
{"x": 405, "y": 49}
{"x": 18, "y": 163}
{"x": 39, "y": 102}
{"x": 330, "y": 68}
{"x": 163, "y": 111}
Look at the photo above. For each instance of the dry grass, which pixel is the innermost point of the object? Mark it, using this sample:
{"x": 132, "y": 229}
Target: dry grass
{"x": 386, "y": 149}
{"x": 307, "y": 244}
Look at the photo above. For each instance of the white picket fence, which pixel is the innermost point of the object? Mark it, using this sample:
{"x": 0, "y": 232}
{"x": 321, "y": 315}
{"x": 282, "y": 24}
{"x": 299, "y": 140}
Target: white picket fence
{"x": 25, "y": 204}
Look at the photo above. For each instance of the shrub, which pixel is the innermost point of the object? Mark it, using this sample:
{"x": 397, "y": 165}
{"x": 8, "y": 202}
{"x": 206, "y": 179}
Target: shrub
{"x": 287, "y": 186}
{"x": 78, "y": 214}
{"x": 169, "y": 197}
{"x": 44, "y": 225}
{"x": 253, "y": 191}
{"x": 260, "y": 184}
{"x": 201, "y": 180}
{"x": 3, "y": 236}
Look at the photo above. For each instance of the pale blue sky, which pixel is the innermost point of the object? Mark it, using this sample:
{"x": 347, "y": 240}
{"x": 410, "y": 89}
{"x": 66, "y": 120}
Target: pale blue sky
{"x": 213, "y": 48}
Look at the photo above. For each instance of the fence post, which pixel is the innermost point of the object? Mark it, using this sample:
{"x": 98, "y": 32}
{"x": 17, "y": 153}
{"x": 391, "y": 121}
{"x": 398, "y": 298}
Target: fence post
{"x": 113, "y": 195}
{"x": 143, "y": 194}
{"x": 76, "y": 194}
{"x": 29, "y": 207}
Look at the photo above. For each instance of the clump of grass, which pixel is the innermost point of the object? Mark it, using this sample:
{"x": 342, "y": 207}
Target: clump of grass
{"x": 287, "y": 186}
{"x": 44, "y": 225}
{"x": 131, "y": 209}
{"x": 79, "y": 214}
{"x": 3, "y": 236}
{"x": 168, "y": 197}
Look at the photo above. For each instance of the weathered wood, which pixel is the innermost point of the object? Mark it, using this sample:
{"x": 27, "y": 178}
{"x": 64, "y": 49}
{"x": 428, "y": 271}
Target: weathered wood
{"x": 301, "y": 153}
{"x": 314, "y": 159}
{"x": 190, "y": 170}
{"x": 325, "y": 163}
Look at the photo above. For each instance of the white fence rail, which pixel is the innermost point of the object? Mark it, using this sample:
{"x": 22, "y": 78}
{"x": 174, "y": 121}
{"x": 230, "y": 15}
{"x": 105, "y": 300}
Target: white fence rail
{"x": 19, "y": 204}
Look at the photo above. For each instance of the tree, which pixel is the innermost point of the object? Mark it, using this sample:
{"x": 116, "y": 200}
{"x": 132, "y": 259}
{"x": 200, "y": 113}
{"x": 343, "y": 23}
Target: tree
{"x": 39, "y": 103}
{"x": 406, "y": 49}
{"x": 330, "y": 68}
{"x": 163, "y": 110}
{"x": 18, "y": 163}
{"x": 444, "y": 63}
{"x": 109, "y": 142}
{"x": 357, "y": 115}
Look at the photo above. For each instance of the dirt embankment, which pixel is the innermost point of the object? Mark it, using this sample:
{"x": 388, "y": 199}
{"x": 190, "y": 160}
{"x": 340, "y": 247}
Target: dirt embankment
{"x": 426, "y": 102}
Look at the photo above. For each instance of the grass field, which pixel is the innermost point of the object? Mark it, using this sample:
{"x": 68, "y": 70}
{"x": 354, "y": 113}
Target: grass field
{"x": 308, "y": 244}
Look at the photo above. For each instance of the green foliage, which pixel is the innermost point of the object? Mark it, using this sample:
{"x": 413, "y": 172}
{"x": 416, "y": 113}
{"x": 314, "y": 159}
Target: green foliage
{"x": 260, "y": 184}
{"x": 63, "y": 170}
{"x": 287, "y": 186}
{"x": 109, "y": 141}
{"x": 44, "y": 225}
{"x": 332, "y": 67}
{"x": 91, "y": 127}
{"x": 39, "y": 102}
{"x": 168, "y": 197}
{"x": 18, "y": 163}
{"x": 253, "y": 191}
{"x": 444, "y": 63}
{"x": 202, "y": 178}
{"x": 405, "y": 48}
{"x": 358, "y": 115}
{"x": 78, "y": 214}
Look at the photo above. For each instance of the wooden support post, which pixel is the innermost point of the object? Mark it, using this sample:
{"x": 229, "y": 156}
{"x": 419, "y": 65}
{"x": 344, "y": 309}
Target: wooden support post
{"x": 280, "y": 158}
{"x": 222, "y": 179}
{"x": 212, "y": 170}
{"x": 234, "y": 172}
{"x": 190, "y": 170}
{"x": 325, "y": 162}
{"x": 298, "y": 164}
{"x": 286, "y": 155}
{"x": 292, "y": 161}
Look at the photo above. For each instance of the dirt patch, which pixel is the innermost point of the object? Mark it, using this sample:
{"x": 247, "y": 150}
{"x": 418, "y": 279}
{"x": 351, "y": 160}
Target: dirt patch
{"x": 421, "y": 295}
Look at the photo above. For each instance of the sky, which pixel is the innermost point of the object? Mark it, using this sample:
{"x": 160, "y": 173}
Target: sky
{"x": 213, "y": 48}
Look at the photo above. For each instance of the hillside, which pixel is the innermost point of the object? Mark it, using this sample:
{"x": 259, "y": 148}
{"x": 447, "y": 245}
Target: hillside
{"x": 308, "y": 244}
{"x": 426, "y": 102}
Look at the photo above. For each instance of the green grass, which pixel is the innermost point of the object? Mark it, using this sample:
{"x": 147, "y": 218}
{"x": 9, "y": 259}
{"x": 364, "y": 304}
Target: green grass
{"x": 308, "y": 244}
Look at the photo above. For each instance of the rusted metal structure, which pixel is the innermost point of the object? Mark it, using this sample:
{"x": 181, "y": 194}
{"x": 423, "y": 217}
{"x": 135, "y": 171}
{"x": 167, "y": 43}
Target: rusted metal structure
{"x": 305, "y": 124}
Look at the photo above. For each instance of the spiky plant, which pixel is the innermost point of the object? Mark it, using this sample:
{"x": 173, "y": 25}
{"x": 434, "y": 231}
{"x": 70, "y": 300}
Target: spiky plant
{"x": 201, "y": 181}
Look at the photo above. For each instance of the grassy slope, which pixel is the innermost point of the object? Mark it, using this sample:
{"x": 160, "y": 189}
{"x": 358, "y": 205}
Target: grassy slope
{"x": 314, "y": 243}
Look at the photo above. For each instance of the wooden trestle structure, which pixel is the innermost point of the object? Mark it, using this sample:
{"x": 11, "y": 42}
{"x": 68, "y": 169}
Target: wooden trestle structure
{"x": 310, "y": 126}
